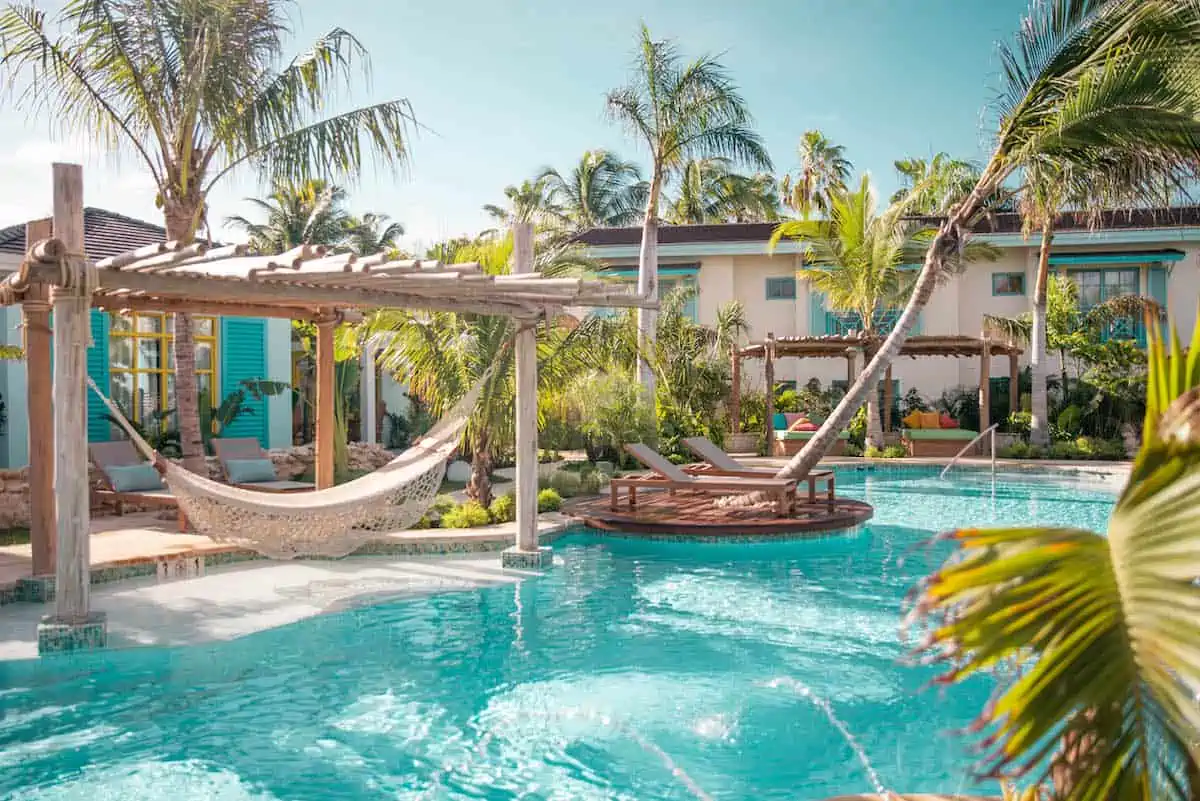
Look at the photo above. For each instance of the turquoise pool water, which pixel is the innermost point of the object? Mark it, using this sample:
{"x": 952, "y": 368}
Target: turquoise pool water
{"x": 632, "y": 670}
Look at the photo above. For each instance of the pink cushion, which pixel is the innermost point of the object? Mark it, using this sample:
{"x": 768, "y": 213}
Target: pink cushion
{"x": 806, "y": 427}
{"x": 791, "y": 417}
{"x": 946, "y": 421}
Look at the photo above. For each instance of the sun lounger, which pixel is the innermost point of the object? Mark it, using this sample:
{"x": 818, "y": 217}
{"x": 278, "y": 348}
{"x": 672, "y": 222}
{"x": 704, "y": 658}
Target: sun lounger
{"x": 245, "y": 464}
{"x": 936, "y": 441}
{"x": 124, "y": 479}
{"x": 673, "y": 479}
{"x": 718, "y": 462}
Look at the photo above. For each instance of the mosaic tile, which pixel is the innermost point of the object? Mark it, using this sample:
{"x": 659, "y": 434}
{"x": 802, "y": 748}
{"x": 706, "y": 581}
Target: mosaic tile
{"x": 55, "y": 636}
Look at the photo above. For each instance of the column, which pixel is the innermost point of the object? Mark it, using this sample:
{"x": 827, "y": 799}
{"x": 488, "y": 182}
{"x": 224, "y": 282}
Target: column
{"x": 528, "y": 553}
{"x": 769, "y": 376}
{"x": 366, "y": 397}
{"x": 985, "y": 387}
{"x": 39, "y": 388}
{"x": 1014, "y": 382}
{"x": 326, "y": 422}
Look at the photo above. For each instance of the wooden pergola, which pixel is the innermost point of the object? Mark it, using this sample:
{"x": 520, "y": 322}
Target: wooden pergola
{"x": 850, "y": 346}
{"x": 310, "y": 283}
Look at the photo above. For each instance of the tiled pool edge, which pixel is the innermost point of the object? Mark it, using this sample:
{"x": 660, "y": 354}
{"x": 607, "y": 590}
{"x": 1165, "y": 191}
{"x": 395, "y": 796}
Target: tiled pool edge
{"x": 40, "y": 589}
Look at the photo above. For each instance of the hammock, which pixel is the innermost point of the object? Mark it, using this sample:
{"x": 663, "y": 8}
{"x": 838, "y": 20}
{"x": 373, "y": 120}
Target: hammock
{"x": 331, "y": 522}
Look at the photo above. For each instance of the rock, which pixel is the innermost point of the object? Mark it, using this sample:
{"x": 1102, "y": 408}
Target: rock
{"x": 458, "y": 472}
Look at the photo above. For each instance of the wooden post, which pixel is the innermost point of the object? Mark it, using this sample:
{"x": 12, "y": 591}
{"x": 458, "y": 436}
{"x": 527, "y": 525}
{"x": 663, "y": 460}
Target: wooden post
{"x": 72, "y": 330}
{"x": 769, "y": 374}
{"x": 1014, "y": 383}
{"x": 326, "y": 423}
{"x": 39, "y": 388}
{"x": 528, "y": 553}
{"x": 985, "y": 387}
{"x": 888, "y": 398}
{"x": 850, "y": 372}
{"x": 367, "y": 413}
{"x": 735, "y": 396}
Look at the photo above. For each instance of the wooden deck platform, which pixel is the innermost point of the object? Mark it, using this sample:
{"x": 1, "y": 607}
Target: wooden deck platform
{"x": 689, "y": 516}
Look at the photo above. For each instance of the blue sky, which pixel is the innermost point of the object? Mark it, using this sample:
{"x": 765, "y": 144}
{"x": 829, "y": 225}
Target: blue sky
{"x": 508, "y": 86}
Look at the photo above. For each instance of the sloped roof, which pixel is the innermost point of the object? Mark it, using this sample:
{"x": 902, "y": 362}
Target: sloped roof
{"x": 106, "y": 233}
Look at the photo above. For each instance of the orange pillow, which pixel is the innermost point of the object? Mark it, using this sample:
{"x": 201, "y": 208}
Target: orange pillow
{"x": 800, "y": 420}
{"x": 930, "y": 420}
{"x": 913, "y": 420}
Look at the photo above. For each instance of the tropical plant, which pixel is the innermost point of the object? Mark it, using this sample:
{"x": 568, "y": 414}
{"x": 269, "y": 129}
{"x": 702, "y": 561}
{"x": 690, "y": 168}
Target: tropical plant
{"x": 1092, "y": 634}
{"x": 441, "y": 355}
{"x": 195, "y": 90}
{"x": 858, "y": 259}
{"x": 310, "y": 213}
{"x": 942, "y": 181}
{"x": 612, "y": 413}
{"x": 709, "y": 191}
{"x": 824, "y": 171}
{"x": 600, "y": 191}
{"x": 531, "y": 202}
{"x": 678, "y": 111}
{"x": 373, "y": 233}
{"x": 1084, "y": 81}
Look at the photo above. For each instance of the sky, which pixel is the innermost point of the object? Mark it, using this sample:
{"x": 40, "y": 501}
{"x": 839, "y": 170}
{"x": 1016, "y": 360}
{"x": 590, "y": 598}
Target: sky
{"x": 502, "y": 88}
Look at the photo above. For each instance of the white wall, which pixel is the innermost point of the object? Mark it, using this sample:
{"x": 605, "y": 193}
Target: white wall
{"x": 279, "y": 368}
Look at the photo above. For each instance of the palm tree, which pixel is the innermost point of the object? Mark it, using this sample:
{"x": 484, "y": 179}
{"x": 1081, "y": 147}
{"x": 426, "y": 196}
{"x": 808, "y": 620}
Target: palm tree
{"x": 530, "y": 202}
{"x": 308, "y": 214}
{"x": 711, "y": 192}
{"x": 195, "y": 90}
{"x": 1085, "y": 82}
{"x": 1099, "y": 629}
{"x": 824, "y": 170}
{"x": 857, "y": 259}
{"x": 602, "y": 191}
{"x": 678, "y": 111}
{"x": 373, "y": 233}
{"x": 441, "y": 355}
{"x": 943, "y": 180}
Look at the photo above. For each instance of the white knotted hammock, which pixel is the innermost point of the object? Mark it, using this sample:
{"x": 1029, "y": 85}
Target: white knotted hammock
{"x": 331, "y": 522}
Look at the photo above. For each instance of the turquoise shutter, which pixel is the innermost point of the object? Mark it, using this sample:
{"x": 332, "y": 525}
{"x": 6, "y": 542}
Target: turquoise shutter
{"x": 689, "y": 308}
{"x": 98, "y": 359}
{"x": 916, "y": 329}
{"x": 1157, "y": 287}
{"x": 243, "y": 347}
{"x": 818, "y": 324}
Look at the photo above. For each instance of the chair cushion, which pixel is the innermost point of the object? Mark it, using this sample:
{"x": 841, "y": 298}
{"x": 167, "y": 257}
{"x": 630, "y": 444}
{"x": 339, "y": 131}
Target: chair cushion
{"x": 913, "y": 420}
{"x": 133, "y": 477}
{"x": 248, "y": 471}
{"x": 779, "y": 421}
{"x": 930, "y": 420}
{"x": 942, "y": 433}
{"x": 806, "y": 435}
{"x": 798, "y": 423}
{"x": 946, "y": 421}
{"x": 792, "y": 417}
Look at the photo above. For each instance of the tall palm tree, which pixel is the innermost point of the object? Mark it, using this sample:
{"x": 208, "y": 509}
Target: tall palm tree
{"x": 195, "y": 90}
{"x": 678, "y": 111}
{"x": 857, "y": 259}
{"x": 1098, "y": 629}
{"x": 1084, "y": 83}
{"x": 441, "y": 355}
{"x": 824, "y": 170}
{"x": 308, "y": 214}
{"x": 709, "y": 191}
{"x": 373, "y": 233}
{"x": 530, "y": 202}
{"x": 601, "y": 191}
{"x": 943, "y": 181}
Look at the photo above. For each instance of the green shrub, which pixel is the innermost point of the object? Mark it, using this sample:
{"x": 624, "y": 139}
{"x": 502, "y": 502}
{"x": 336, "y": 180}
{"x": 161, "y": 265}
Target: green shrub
{"x": 1019, "y": 423}
{"x": 565, "y": 483}
{"x": 469, "y": 515}
{"x": 549, "y": 501}
{"x": 504, "y": 508}
{"x": 1070, "y": 419}
{"x": 894, "y": 452}
{"x": 443, "y": 504}
{"x": 871, "y": 452}
{"x": 591, "y": 483}
{"x": 852, "y": 450}
{"x": 858, "y": 427}
{"x": 1018, "y": 450}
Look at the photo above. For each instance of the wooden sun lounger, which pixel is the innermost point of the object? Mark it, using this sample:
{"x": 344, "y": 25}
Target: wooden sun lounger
{"x": 122, "y": 453}
{"x": 248, "y": 448}
{"x": 718, "y": 462}
{"x": 672, "y": 478}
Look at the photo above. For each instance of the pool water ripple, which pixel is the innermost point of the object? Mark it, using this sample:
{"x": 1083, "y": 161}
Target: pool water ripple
{"x": 633, "y": 670}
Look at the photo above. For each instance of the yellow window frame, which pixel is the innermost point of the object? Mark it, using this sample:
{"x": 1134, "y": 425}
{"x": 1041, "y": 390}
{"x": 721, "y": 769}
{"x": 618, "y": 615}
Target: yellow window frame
{"x": 139, "y": 328}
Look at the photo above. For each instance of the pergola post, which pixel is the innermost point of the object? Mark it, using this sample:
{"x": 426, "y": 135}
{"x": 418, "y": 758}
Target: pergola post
{"x": 735, "y": 395}
{"x": 985, "y": 384}
{"x": 888, "y": 398}
{"x": 326, "y": 423}
{"x": 73, "y": 626}
{"x": 39, "y": 388}
{"x": 528, "y": 552}
{"x": 850, "y": 372}
{"x": 769, "y": 377}
{"x": 368, "y": 408}
{"x": 1014, "y": 382}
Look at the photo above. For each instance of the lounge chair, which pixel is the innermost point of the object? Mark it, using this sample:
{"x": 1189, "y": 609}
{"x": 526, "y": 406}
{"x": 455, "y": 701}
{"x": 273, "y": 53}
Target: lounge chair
{"x": 124, "y": 478}
{"x": 673, "y": 478}
{"x": 245, "y": 464}
{"x": 718, "y": 462}
{"x": 939, "y": 442}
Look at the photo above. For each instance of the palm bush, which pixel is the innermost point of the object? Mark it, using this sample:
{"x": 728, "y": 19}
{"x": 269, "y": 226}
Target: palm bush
{"x": 1093, "y": 635}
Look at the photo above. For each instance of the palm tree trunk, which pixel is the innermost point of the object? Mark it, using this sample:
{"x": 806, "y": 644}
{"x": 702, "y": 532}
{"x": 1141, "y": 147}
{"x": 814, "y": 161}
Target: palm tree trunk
{"x": 874, "y": 418}
{"x": 479, "y": 486}
{"x": 647, "y": 319}
{"x": 180, "y": 224}
{"x": 947, "y": 240}
{"x": 1039, "y": 428}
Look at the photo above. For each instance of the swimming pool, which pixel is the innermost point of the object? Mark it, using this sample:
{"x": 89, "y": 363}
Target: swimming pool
{"x": 632, "y": 670}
